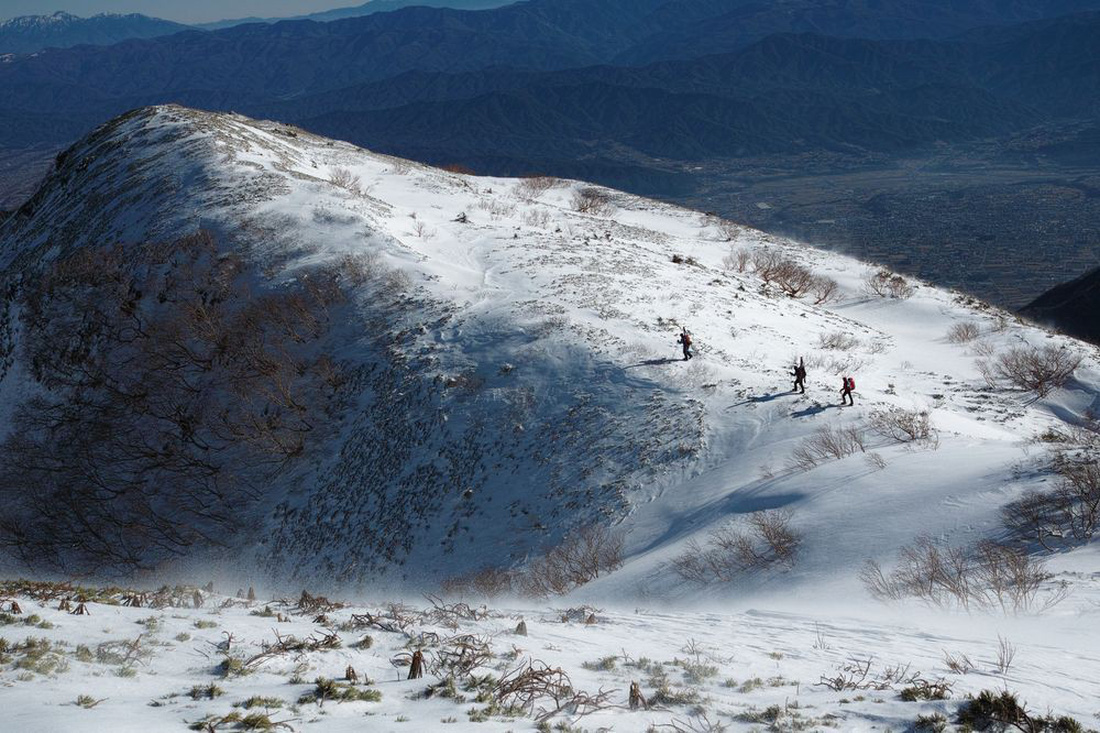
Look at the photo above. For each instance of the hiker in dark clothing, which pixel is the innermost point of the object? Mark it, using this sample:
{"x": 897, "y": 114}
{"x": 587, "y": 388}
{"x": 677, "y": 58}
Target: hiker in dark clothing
{"x": 799, "y": 375}
{"x": 685, "y": 340}
{"x": 849, "y": 386}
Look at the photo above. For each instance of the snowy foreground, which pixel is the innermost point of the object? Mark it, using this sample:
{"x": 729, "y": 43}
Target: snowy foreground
{"x": 518, "y": 378}
{"x": 133, "y": 669}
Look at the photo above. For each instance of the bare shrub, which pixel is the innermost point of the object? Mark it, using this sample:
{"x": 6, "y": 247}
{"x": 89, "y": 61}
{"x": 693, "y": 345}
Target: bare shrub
{"x": 886, "y": 284}
{"x": 731, "y": 549}
{"x": 591, "y": 200}
{"x": 539, "y": 218}
{"x": 838, "y": 341}
{"x": 737, "y": 259}
{"x": 497, "y": 208}
{"x": 984, "y": 348}
{"x": 1037, "y": 369}
{"x": 963, "y": 332}
{"x": 345, "y": 179}
{"x": 459, "y": 656}
{"x": 958, "y": 663}
{"x": 825, "y": 444}
{"x": 1006, "y": 654}
{"x": 1067, "y": 515}
{"x": 458, "y": 168}
{"x": 876, "y": 461}
{"x": 727, "y": 230}
{"x": 854, "y": 674}
{"x": 773, "y": 527}
{"x": 793, "y": 279}
{"x": 583, "y": 555}
{"x": 904, "y": 426}
{"x": 987, "y": 575}
{"x": 170, "y": 393}
{"x": 488, "y": 582}
{"x": 532, "y": 187}
{"x": 766, "y": 263}
{"x": 543, "y": 691}
{"x": 824, "y": 289}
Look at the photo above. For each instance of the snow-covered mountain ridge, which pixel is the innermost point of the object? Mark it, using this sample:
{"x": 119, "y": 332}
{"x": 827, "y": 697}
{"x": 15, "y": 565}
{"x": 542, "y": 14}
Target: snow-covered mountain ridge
{"x": 525, "y": 379}
{"x": 33, "y": 33}
{"x": 508, "y": 372}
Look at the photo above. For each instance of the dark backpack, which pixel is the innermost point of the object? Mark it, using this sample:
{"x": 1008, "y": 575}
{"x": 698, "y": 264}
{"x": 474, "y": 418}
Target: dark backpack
{"x": 685, "y": 337}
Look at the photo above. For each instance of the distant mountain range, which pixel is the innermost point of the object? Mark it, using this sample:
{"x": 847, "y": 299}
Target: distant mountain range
{"x": 533, "y": 85}
{"x": 33, "y": 33}
{"x": 637, "y": 94}
{"x": 374, "y": 6}
{"x": 28, "y": 34}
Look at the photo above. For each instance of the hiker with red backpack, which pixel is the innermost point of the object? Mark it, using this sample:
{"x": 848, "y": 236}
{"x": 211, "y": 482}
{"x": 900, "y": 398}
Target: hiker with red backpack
{"x": 848, "y": 386}
{"x": 685, "y": 341}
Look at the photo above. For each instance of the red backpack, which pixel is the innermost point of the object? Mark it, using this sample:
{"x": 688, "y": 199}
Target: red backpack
{"x": 850, "y": 384}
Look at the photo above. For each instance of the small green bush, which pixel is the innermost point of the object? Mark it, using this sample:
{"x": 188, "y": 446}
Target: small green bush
{"x": 326, "y": 689}
{"x": 260, "y": 702}
{"x": 999, "y": 710}
{"x": 935, "y": 723}
{"x": 205, "y": 692}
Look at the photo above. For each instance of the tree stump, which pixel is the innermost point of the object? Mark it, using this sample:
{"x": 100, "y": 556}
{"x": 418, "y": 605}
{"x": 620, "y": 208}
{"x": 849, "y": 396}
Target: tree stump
{"x": 81, "y": 610}
{"x": 351, "y": 676}
{"x": 637, "y": 699}
{"x": 196, "y": 599}
{"x": 416, "y": 667}
{"x": 251, "y": 594}
{"x": 591, "y": 620}
{"x": 15, "y": 608}
{"x": 521, "y": 628}
{"x": 65, "y": 605}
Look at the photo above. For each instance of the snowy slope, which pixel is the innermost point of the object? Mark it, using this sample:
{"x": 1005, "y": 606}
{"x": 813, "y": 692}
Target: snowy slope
{"x": 530, "y": 383}
{"x": 140, "y": 669}
{"x": 522, "y": 379}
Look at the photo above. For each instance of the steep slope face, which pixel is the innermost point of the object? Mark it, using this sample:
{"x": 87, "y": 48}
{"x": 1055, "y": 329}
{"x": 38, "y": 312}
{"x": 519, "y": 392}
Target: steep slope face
{"x": 1071, "y": 307}
{"x": 507, "y": 370}
{"x": 472, "y": 422}
{"x": 32, "y": 33}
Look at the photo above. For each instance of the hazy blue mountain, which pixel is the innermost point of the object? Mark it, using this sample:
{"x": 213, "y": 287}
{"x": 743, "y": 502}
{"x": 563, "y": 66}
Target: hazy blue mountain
{"x": 374, "y": 6}
{"x": 31, "y": 33}
{"x": 747, "y": 21}
{"x": 787, "y": 93}
{"x": 543, "y": 84}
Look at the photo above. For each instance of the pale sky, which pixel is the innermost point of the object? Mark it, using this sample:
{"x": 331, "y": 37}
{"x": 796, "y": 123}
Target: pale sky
{"x": 182, "y": 11}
